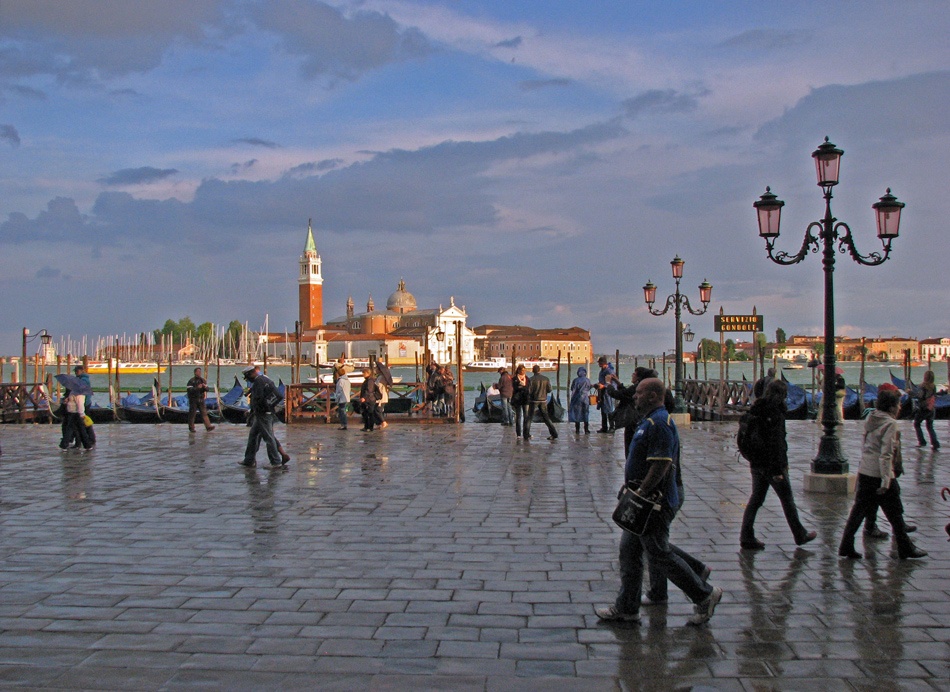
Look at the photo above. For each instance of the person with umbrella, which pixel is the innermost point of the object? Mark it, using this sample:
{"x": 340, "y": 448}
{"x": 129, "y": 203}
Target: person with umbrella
{"x": 384, "y": 381}
{"x": 74, "y": 398}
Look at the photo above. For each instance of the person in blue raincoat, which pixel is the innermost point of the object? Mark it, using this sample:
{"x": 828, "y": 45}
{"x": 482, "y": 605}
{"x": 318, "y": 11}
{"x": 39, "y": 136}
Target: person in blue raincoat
{"x": 606, "y": 379}
{"x": 579, "y": 410}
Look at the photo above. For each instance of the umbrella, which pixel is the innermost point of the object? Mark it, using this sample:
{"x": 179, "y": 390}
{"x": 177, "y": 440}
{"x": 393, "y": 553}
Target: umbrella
{"x": 838, "y": 371}
{"x": 385, "y": 376}
{"x": 74, "y": 385}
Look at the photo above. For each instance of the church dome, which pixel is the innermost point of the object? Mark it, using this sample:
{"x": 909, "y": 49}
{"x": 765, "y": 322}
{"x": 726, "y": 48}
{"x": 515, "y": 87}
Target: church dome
{"x": 402, "y": 300}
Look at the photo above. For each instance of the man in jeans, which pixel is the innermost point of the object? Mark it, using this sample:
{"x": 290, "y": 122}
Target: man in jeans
{"x": 539, "y": 387}
{"x": 264, "y": 397}
{"x": 650, "y": 462}
{"x": 505, "y": 390}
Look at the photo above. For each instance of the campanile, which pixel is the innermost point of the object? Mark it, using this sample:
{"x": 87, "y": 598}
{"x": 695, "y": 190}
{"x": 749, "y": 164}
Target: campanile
{"x": 311, "y": 285}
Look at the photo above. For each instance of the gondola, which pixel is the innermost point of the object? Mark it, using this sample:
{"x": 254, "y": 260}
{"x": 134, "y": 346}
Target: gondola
{"x": 177, "y": 412}
{"x": 796, "y": 402}
{"x": 133, "y": 409}
{"x": 238, "y": 411}
{"x": 487, "y": 408}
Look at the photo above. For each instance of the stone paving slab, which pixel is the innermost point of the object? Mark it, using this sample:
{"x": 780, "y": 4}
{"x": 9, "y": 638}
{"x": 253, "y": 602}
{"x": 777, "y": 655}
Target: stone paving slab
{"x": 438, "y": 558}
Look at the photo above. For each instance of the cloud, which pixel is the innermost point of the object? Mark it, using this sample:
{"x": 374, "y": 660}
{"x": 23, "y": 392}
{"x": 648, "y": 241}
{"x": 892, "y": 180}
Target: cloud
{"x": 237, "y": 168}
{"x": 60, "y": 221}
{"x": 256, "y": 142}
{"x": 10, "y": 134}
{"x": 764, "y": 40}
{"x": 137, "y": 176}
{"x": 26, "y": 92}
{"x": 85, "y": 40}
{"x": 510, "y": 43}
{"x": 48, "y": 272}
{"x": 336, "y": 45}
{"x": 661, "y": 101}
{"x": 535, "y": 84}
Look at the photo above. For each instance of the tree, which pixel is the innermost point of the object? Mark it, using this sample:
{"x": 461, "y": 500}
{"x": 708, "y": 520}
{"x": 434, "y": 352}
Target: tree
{"x": 780, "y": 336}
{"x": 204, "y": 331}
{"x": 730, "y": 349}
{"x": 761, "y": 340}
{"x": 709, "y": 349}
{"x": 820, "y": 349}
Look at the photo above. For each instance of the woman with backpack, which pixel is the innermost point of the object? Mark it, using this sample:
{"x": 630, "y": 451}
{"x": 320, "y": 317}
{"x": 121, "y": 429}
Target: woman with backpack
{"x": 762, "y": 442}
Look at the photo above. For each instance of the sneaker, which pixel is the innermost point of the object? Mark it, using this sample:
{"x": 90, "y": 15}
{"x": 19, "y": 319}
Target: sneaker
{"x": 706, "y": 608}
{"x": 611, "y": 614}
{"x": 876, "y": 533}
{"x": 248, "y": 464}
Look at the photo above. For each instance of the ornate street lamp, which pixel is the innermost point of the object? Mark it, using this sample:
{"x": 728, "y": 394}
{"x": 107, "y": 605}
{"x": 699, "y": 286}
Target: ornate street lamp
{"x": 678, "y": 301}
{"x": 45, "y": 339}
{"x": 830, "y": 459}
{"x": 688, "y": 334}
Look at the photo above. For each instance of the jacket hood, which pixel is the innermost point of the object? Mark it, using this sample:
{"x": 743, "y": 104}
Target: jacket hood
{"x": 876, "y": 420}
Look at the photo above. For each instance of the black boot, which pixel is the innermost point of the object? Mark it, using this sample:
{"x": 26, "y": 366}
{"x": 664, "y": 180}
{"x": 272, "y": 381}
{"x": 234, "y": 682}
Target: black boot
{"x": 577, "y": 428}
{"x": 586, "y": 429}
{"x": 906, "y": 550}
{"x": 846, "y": 549}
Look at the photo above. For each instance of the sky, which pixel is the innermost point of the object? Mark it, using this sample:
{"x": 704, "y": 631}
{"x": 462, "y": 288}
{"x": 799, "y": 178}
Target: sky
{"x": 537, "y": 162}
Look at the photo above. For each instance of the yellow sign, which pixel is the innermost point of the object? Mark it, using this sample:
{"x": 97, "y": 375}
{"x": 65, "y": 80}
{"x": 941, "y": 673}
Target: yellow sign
{"x": 739, "y": 323}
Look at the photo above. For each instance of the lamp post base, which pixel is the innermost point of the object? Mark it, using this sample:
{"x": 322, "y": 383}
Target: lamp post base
{"x": 829, "y": 460}
{"x": 830, "y": 483}
{"x": 681, "y": 418}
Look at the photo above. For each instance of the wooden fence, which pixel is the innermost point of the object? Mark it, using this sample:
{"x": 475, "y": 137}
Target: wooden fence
{"x": 24, "y": 402}
{"x": 715, "y": 400}
{"x": 313, "y": 402}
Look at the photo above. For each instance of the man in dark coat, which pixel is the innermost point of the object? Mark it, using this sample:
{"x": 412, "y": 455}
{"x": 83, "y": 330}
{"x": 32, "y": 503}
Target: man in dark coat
{"x": 369, "y": 398}
{"x": 264, "y": 398}
{"x": 539, "y": 387}
{"x": 506, "y": 389}
{"x": 197, "y": 390}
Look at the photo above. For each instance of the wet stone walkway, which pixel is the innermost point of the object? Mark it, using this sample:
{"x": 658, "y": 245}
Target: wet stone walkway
{"x": 437, "y": 558}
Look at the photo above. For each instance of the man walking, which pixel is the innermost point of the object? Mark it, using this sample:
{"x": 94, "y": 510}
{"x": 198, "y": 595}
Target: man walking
{"x": 539, "y": 387}
{"x": 197, "y": 391}
{"x": 506, "y": 389}
{"x": 264, "y": 398}
{"x": 650, "y": 463}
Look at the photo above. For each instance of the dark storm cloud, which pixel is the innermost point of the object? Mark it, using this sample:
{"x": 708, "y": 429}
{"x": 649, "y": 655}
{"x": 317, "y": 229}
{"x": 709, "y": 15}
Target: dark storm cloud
{"x": 137, "y": 176}
{"x": 336, "y": 45}
{"x": 10, "y": 135}
{"x": 535, "y": 84}
{"x": 437, "y": 188}
{"x": 256, "y": 142}
{"x": 83, "y": 40}
{"x": 661, "y": 101}
{"x": 764, "y": 40}
{"x": 510, "y": 43}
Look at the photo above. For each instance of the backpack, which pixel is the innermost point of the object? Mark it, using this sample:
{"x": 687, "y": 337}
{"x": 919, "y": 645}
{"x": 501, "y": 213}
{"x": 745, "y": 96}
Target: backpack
{"x": 750, "y": 439}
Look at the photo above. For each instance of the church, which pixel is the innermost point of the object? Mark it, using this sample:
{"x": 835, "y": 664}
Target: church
{"x": 399, "y": 334}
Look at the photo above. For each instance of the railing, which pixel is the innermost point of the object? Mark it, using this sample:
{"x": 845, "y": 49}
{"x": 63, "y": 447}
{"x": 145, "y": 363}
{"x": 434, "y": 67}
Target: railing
{"x": 24, "y": 402}
{"x": 313, "y": 401}
{"x": 715, "y": 400}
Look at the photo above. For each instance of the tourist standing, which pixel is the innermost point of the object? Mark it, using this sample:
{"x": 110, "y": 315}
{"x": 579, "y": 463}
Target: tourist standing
{"x": 197, "y": 389}
{"x": 605, "y": 381}
{"x": 369, "y": 396}
{"x": 650, "y": 464}
{"x": 539, "y": 387}
{"x": 926, "y": 410}
{"x": 342, "y": 396}
{"x": 769, "y": 466}
{"x": 520, "y": 398}
{"x": 505, "y": 390}
{"x": 264, "y": 398}
{"x": 579, "y": 407}
{"x": 877, "y": 479}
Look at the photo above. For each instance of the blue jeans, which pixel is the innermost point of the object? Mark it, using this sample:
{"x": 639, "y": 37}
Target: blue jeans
{"x": 658, "y": 582}
{"x": 521, "y": 419}
{"x": 262, "y": 428}
{"x": 656, "y": 544}
{"x": 507, "y": 413}
{"x": 922, "y": 416}
{"x": 341, "y": 413}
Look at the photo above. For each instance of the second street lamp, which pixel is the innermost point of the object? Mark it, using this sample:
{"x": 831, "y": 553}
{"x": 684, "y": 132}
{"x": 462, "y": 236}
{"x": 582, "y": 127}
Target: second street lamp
{"x": 830, "y": 459}
{"x": 678, "y": 301}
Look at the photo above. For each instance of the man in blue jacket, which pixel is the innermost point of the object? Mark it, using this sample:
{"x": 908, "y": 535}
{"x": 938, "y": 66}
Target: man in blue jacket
{"x": 654, "y": 448}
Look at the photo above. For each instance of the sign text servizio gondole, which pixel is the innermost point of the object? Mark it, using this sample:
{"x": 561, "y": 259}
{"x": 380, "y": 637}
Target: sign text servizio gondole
{"x": 739, "y": 323}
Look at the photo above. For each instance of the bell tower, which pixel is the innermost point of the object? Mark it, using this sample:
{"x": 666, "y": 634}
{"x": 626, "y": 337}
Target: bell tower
{"x": 310, "y": 284}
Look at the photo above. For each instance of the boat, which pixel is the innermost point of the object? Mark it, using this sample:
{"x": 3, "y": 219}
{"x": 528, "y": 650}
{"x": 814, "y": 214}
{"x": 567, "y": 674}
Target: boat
{"x": 125, "y": 368}
{"x": 793, "y": 366}
{"x": 235, "y": 407}
{"x": 133, "y": 409}
{"x": 796, "y": 401}
{"x": 177, "y": 410}
{"x": 492, "y": 364}
{"x": 355, "y": 378}
{"x": 487, "y": 408}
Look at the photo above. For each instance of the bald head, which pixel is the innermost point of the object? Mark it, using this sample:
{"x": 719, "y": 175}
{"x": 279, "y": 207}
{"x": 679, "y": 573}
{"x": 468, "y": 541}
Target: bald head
{"x": 650, "y": 393}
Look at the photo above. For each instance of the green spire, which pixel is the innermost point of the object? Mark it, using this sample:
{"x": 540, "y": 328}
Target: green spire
{"x": 310, "y": 246}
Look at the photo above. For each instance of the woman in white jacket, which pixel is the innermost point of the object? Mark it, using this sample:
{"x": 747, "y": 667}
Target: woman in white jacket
{"x": 877, "y": 479}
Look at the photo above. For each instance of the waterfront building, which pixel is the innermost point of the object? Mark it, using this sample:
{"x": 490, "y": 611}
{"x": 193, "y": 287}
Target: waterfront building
{"x": 935, "y": 349}
{"x": 505, "y": 341}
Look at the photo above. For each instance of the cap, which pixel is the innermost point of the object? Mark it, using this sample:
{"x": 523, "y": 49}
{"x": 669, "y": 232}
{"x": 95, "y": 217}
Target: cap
{"x": 248, "y": 370}
{"x": 602, "y": 360}
{"x": 887, "y": 387}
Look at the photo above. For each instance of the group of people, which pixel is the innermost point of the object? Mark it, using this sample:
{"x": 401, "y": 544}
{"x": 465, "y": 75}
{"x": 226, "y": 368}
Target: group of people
{"x": 77, "y": 429}
{"x": 652, "y": 468}
{"x": 521, "y": 397}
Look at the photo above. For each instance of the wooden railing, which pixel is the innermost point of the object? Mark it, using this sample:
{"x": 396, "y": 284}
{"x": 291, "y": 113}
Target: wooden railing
{"x": 313, "y": 402}
{"x": 24, "y": 402}
{"x": 712, "y": 400}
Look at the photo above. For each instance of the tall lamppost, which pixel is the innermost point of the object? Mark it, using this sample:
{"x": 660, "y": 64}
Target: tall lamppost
{"x": 45, "y": 339}
{"x": 830, "y": 459}
{"x": 678, "y": 301}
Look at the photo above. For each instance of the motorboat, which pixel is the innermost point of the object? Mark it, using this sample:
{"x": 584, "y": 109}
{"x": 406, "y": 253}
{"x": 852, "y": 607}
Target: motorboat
{"x": 492, "y": 364}
{"x": 125, "y": 368}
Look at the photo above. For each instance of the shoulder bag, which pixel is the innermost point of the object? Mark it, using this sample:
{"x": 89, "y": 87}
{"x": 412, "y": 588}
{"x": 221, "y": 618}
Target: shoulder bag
{"x": 634, "y": 512}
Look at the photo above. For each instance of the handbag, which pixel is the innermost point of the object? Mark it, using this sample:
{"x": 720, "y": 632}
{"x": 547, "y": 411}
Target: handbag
{"x": 625, "y": 414}
{"x": 634, "y": 511}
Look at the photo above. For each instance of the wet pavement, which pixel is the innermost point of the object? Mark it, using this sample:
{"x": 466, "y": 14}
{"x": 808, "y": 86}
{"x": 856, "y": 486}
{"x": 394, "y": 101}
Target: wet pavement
{"x": 438, "y": 558}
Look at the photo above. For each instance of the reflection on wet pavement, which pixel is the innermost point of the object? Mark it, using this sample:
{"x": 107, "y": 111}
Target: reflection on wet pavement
{"x": 438, "y": 558}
